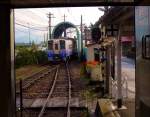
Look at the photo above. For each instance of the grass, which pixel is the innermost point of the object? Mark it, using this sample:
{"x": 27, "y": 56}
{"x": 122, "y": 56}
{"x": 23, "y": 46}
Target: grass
{"x": 28, "y": 70}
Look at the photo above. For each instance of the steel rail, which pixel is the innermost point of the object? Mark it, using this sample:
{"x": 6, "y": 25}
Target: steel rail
{"x": 32, "y": 75}
{"x": 69, "y": 97}
{"x": 50, "y": 94}
{"x": 36, "y": 73}
{"x": 32, "y": 81}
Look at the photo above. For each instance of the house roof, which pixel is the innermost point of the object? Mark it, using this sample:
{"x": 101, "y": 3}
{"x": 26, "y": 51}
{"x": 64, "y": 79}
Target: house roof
{"x": 117, "y": 14}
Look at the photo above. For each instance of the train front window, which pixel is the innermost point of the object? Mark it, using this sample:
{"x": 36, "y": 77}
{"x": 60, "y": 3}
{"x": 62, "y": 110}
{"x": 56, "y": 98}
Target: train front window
{"x": 50, "y": 45}
{"x": 56, "y": 46}
{"x": 146, "y": 47}
{"x": 62, "y": 44}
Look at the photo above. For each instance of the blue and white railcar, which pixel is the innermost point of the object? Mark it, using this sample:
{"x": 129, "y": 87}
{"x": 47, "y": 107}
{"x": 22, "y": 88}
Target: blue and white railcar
{"x": 60, "y": 49}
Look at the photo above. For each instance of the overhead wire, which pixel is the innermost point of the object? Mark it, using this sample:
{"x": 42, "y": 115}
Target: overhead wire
{"x": 22, "y": 22}
{"x": 32, "y": 26}
{"x": 20, "y": 30}
{"x": 29, "y": 27}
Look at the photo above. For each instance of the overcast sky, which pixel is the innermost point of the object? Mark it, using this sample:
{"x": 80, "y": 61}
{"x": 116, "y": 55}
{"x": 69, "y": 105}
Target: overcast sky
{"x": 37, "y": 20}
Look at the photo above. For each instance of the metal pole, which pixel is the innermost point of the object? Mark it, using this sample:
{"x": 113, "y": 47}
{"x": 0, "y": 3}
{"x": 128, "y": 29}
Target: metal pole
{"x": 29, "y": 34}
{"x": 81, "y": 37}
{"x": 21, "y": 99}
{"x": 50, "y": 16}
{"x": 50, "y": 25}
{"x": 64, "y": 25}
{"x": 12, "y": 38}
{"x": 44, "y": 38}
{"x": 109, "y": 69}
{"x": 50, "y": 36}
{"x": 119, "y": 84}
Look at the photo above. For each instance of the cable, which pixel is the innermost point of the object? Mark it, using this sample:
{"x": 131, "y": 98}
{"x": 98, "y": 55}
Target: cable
{"x": 20, "y": 30}
{"x": 29, "y": 27}
{"x": 22, "y": 22}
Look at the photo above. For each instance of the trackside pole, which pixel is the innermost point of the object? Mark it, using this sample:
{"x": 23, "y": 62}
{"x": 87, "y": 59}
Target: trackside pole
{"x": 21, "y": 103}
{"x": 119, "y": 100}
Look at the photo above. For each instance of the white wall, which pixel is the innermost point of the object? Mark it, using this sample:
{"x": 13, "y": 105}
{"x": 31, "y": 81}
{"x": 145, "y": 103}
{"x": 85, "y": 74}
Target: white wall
{"x": 90, "y": 52}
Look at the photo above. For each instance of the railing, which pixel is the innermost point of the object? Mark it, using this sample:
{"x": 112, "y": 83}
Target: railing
{"x": 114, "y": 87}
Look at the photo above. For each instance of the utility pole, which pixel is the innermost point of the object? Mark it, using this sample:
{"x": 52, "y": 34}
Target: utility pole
{"x": 44, "y": 39}
{"x": 50, "y": 16}
{"x": 64, "y": 25}
{"x": 119, "y": 79}
{"x": 81, "y": 37}
{"x": 29, "y": 34}
{"x": 47, "y": 40}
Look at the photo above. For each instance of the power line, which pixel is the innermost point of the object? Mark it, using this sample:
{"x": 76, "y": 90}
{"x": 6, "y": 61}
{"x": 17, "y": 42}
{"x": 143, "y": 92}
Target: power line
{"x": 35, "y": 25}
{"x": 37, "y": 14}
{"x": 20, "y": 30}
{"x": 74, "y": 17}
{"x": 29, "y": 27}
{"x": 29, "y": 33}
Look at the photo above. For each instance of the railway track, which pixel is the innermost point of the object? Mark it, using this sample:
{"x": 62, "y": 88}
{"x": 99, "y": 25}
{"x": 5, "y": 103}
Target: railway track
{"x": 30, "y": 80}
{"x": 56, "y": 84}
{"x": 61, "y": 81}
{"x": 56, "y": 112}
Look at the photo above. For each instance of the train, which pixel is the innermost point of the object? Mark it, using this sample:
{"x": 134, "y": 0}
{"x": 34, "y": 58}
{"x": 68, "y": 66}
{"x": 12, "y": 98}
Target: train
{"x": 60, "y": 49}
{"x": 142, "y": 33}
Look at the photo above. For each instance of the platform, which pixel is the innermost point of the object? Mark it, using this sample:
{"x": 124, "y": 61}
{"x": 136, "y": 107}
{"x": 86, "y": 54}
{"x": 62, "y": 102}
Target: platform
{"x": 53, "y": 102}
{"x": 105, "y": 108}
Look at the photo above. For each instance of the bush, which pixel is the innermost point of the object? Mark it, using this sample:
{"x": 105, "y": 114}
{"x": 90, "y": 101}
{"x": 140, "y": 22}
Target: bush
{"x": 41, "y": 57}
{"x": 26, "y": 56}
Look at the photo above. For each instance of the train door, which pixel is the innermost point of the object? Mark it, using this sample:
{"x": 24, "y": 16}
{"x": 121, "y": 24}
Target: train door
{"x": 50, "y": 50}
{"x": 56, "y": 47}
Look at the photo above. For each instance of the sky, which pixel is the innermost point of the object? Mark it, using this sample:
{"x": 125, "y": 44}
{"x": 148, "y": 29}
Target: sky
{"x": 32, "y": 24}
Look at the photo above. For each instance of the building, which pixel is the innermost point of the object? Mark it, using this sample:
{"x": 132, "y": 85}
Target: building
{"x": 87, "y": 35}
{"x": 119, "y": 21}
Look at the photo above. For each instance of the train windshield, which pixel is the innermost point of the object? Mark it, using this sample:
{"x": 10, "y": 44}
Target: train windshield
{"x": 147, "y": 47}
{"x": 50, "y": 44}
{"x": 62, "y": 44}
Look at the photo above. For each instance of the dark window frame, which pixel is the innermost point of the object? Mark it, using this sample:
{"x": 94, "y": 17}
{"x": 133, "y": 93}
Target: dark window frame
{"x": 145, "y": 51}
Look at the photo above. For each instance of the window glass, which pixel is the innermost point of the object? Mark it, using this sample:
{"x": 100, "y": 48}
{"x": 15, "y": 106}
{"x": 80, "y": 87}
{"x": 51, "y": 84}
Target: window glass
{"x": 50, "y": 45}
{"x": 62, "y": 44}
{"x": 147, "y": 47}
